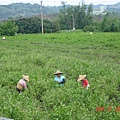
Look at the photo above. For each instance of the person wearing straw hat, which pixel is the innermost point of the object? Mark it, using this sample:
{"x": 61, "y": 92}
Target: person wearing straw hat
{"x": 21, "y": 85}
{"x": 85, "y": 82}
{"x": 59, "y": 78}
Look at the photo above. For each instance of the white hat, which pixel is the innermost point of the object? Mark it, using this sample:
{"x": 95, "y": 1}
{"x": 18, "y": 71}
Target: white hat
{"x": 58, "y": 72}
{"x": 26, "y": 77}
{"x": 81, "y": 77}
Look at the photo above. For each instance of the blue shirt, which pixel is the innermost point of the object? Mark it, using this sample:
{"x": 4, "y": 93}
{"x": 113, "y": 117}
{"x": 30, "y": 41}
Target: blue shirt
{"x": 57, "y": 79}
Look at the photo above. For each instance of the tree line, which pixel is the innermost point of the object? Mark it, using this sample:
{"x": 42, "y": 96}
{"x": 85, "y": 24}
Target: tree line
{"x": 75, "y": 16}
{"x": 27, "y": 26}
{"x": 72, "y": 17}
{"x": 81, "y": 17}
{"x": 33, "y": 25}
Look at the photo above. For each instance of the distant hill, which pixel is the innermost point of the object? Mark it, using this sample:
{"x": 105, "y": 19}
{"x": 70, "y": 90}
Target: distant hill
{"x": 115, "y": 8}
{"x": 16, "y": 10}
{"x": 25, "y": 10}
{"x": 110, "y": 8}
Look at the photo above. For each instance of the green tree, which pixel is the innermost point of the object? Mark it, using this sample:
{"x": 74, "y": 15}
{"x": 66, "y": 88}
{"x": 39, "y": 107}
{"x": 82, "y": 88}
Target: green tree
{"x": 75, "y": 16}
{"x": 105, "y": 25}
{"x": 89, "y": 28}
{"x": 63, "y": 16}
{"x": 114, "y": 26}
{"x": 97, "y": 26}
{"x": 8, "y": 28}
{"x": 89, "y": 14}
{"x": 0, "y": 29}
{"x": 110, "y": 23}
{"x": 33, "y": 25}
{"x": 82, "y": 16}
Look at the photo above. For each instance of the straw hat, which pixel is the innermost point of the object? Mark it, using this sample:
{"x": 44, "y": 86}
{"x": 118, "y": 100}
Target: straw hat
{"x": 26, "y": 77}
{"x": 81, "y": 77}
{"x": 58, "y": 72}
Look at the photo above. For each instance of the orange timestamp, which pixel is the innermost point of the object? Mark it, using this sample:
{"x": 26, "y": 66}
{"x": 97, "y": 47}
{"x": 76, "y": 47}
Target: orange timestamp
{"x": 117, "y": 109}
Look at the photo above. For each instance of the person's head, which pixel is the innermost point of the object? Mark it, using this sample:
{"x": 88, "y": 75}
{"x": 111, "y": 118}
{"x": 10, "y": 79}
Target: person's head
{"x": 26, "y": 77}
{"x": 58, "y": 73}
{"x": 81, "y": 78}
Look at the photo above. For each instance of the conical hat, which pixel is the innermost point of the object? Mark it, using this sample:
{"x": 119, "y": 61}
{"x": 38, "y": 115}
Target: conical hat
{"x": 81, "y": 77}
{"x": 58, "y": 72}
{"x": 26, "y": 77}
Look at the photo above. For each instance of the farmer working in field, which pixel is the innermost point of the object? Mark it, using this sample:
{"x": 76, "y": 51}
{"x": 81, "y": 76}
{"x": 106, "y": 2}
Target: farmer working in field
{"x": 85, "y": 82}
{"x": 59, "y": 78}
{"x": 21, "y": 85}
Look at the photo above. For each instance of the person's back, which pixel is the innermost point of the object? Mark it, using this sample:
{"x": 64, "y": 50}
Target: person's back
{"x": 21, "y": 85}
{"x": 85, "y": 82}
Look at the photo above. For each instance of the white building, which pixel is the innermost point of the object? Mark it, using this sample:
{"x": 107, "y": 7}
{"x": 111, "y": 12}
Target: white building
{"x": 101, "y": 11}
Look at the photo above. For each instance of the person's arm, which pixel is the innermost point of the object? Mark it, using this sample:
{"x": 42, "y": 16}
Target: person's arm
{"x": 84, "y": 84}
{"x": 63, "y": 80}
{"x": 87, "y": 84}
{"x": 56, "y": 79}
{"x": 23, "y": 83}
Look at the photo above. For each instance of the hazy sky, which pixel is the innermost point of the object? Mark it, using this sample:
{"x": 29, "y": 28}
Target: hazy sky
{"x": 58, "y": 2}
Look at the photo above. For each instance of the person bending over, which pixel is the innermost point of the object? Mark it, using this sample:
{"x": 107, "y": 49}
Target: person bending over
{"x": 21, "y": 85}
{"x": 84, "y": 81}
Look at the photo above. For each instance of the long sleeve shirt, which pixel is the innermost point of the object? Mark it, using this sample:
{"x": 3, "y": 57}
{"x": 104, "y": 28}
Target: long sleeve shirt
{"x": 21, "y": 84}
{"x": 59, "y": 80}
{"x": 85, "y": 84}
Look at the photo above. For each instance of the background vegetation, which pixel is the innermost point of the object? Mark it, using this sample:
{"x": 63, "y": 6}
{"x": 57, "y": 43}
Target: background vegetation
{"x": 68, "y": 18}
{"x": 74, "y": 53}
{"x": 18, "y": 10}
{"x": 33, "y": 25}
{"x": 81, "y": 17}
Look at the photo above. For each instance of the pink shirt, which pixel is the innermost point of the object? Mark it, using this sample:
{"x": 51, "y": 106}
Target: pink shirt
{"x": 23, "y": 83}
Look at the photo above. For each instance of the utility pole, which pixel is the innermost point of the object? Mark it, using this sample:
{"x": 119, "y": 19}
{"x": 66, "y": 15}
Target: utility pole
{"x": 41, "y": 17}
{"x": 73, "y": 23}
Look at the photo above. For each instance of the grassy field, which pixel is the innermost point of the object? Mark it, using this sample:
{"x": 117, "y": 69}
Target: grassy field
{"x": 97, "y": 55}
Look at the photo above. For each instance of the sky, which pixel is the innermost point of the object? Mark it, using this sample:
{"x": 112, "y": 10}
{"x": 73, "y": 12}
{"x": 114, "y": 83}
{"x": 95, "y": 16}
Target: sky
{"x": 58, "y": 2}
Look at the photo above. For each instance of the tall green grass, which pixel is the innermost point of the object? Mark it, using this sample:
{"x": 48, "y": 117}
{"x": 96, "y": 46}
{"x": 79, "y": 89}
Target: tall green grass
{"x": 74, "y": 53}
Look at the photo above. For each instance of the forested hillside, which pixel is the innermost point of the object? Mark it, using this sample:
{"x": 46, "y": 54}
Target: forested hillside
{"x": 26, "y": 10}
